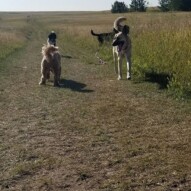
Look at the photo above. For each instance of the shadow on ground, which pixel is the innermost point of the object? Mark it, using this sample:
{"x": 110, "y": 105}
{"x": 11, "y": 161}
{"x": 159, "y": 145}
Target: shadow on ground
{"x": 161, "y": 79}
{"x": 75, "y": 86}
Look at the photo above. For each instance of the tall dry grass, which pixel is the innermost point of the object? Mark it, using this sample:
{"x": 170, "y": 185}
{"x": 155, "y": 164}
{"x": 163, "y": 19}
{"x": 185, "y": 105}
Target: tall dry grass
{"x": 161, "y": 42}
{"x": 13, "y": 31}
{"x": 162, "y": 45}
{"x": 10, "y": 42}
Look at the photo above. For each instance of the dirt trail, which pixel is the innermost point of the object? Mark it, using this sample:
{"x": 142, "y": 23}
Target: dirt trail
{"x": 94, "y": 133}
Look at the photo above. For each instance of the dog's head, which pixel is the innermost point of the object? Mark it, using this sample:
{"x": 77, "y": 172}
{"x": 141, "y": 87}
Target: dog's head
{"x": 121, "y": 32}
{"x": 120, "y": 38}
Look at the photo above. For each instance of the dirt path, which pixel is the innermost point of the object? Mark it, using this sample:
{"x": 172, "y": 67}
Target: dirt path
{"x": 94, "y": 133}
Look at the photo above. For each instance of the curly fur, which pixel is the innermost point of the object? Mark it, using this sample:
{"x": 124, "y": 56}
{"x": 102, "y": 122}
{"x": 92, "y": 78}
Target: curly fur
{"x": 51, "y": 62}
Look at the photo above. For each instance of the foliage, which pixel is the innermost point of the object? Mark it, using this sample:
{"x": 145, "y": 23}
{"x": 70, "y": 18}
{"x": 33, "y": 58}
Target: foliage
{"x": 138, "y": 5}
{"x": 161, "y": 45}
{"x": 164, "y": 5}
{"x": 119, "y": 7}
{"x": 186, "y": 5}
{"x": 175, "y": 5}
{"x": 165, "y": 48}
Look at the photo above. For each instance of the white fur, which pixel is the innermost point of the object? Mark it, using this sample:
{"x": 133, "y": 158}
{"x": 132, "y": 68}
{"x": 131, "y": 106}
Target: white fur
{"x": 120, "y": 52}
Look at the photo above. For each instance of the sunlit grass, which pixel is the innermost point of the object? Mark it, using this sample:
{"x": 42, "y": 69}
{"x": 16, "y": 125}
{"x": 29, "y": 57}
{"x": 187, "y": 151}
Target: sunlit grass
{"x": 13, "y": 33}
{"x": 9, "y": 43}
{"x": 164, "y": 46}
{"x": 161, "y": 43}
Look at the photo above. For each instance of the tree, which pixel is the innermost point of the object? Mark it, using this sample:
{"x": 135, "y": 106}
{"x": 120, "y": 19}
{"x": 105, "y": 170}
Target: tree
{"x": 175, "y": 5}
{"x": 186, "y": 5}
{"x": 164, "y": 5}
{"x": 119, "y": 7}
{"x": 138, "y": 5}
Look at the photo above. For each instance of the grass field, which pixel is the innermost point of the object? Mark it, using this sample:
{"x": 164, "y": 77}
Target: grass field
{"x": 95, "y": 133}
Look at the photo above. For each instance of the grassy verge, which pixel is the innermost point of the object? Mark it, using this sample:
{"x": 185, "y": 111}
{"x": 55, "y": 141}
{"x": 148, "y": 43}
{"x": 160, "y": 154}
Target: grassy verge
{"x": 15, "y": 32}
{"x": 161, "y": 45}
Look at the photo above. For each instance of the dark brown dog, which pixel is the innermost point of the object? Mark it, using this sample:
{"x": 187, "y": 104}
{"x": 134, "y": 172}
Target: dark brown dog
{"x": 103, "y": 37}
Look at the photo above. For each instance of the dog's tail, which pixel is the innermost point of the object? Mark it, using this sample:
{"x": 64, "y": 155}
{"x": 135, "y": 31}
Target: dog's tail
{"x": 94, "y": 34}
{"x": 48, "y": 50}
{"x": 117, "y": 23}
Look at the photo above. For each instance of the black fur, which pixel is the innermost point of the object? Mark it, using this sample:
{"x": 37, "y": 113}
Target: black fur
{"x": 108, "y": 37}
{"x": 103, "y": 37}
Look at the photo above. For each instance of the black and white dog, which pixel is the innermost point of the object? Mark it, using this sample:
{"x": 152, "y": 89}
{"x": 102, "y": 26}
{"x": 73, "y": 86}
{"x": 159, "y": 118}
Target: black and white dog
{"x": 121, "y": 47}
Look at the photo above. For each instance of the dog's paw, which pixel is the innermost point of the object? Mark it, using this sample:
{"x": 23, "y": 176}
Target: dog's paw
{"x": 119, "y": 78}
{"x": 42, "y": 83}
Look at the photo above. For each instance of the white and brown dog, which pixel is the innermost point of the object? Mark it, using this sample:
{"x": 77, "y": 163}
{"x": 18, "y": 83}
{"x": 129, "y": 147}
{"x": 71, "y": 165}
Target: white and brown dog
{"x": 121, "y": 47}
{"x": 51, "y": 62}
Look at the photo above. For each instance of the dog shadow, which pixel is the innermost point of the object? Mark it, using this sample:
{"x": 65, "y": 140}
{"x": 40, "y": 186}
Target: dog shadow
{"x": 162, "y": 79}
{"x": 74, "y": 86}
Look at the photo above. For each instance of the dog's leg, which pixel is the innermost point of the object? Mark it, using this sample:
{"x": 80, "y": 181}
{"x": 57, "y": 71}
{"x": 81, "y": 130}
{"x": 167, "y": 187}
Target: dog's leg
{"x": 42, "y": 81}
{"x": 115, "y": 60}
{"x": 43, "y": 77}
{"x": 56, "y": 82}
{"x": 48, "y": 75}
{"x": 45, "y": 74}
{"x": 57, "y": 77}
{"x": 59, "y": 74}
{"x": 115, "y": 64}
{"x": 128, "y": 67}
{"x": 119, "y": 67}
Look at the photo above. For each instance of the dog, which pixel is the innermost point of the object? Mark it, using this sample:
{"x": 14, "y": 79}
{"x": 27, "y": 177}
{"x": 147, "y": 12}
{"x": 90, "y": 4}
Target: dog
{"x": 51, "y": 62}
{"x": 103, "y": 37}
{"x": 121, "y": 47}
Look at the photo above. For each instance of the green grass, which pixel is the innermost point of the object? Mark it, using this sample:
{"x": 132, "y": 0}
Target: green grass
{"x": 161, "y": 43}
{"x": 14, "y": 32}
{"x": 166, "y": 50}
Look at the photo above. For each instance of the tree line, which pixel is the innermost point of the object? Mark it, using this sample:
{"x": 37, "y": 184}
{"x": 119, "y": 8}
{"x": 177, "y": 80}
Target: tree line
{"x": 136, "y": 5}
{"x": 175, "y": 5}
{"x": 141, "y": 6}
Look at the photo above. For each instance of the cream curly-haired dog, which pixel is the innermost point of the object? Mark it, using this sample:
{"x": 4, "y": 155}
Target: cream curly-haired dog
{"x": 51, "y": 62}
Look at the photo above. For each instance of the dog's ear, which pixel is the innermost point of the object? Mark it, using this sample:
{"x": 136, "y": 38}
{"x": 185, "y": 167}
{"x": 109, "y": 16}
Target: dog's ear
{"x": 125, "y": 30}
{"x": 115, "y": 31}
